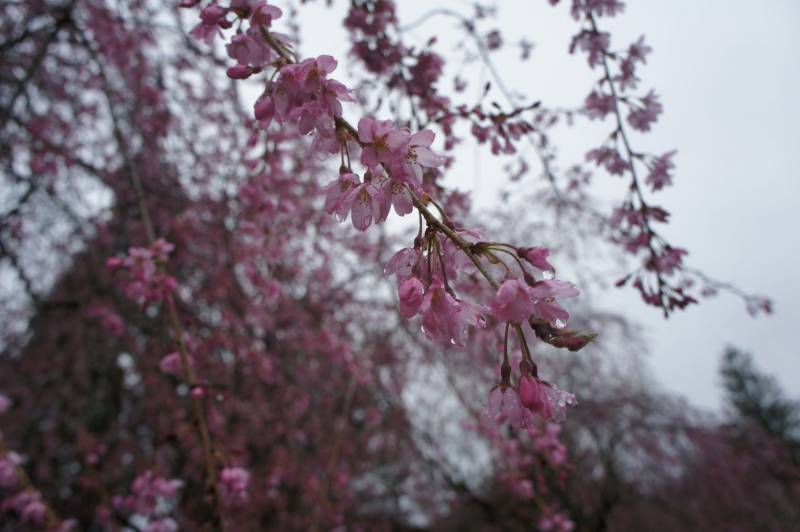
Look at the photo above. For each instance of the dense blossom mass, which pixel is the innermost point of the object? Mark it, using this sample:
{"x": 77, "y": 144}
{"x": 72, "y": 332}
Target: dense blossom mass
{"x": 194, "y": 342}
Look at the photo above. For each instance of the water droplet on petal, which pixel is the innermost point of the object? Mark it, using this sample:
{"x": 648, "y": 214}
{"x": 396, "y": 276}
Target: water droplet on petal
{"x": 548, "y": 274}
{"x": 559, "y": 324}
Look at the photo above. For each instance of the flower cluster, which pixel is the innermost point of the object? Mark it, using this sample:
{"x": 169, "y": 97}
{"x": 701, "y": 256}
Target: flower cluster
{"x": 18, "y": 497}
{"x": 369, "y": 27}
{"x": 246, "y": 48}
{"x": 141, "y": 275}
{"x": 395, "y": 160}
{"x": 28, "y": 505}
{"x": 249, "y": 49}
{"x": 632, "y": 223}
{"x": 516, "y": 405}
{"x": 152, "y": 497}
{"x": 423, "y": 286}
{"x": 581, "y": 8}
{"x": 396, "y": 164}
{"x": 305, "y": 97}
{"x": 516, "y": 301}
{"x": 233, "y": 484}
{"x": 555, "y": 522}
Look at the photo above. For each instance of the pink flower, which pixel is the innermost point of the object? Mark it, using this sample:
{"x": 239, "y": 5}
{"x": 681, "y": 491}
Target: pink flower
{"x": 439, "y": 313}
{"x": 143, "y": 282}
{"x": 445, "y": 319}
{"x": 598, "y": 105}
{"x": 547, "y": 443}
{"x": 263, "y": 14}
{"x": 211, "y": 18}
{"x": 394, "y": 192}
{"x": 311, "y": 73}
{"x": 249, "y": 50}
{"x": 28, "y": 504}
{"x": 661, "y": 171}
{"x": 538, "y": 258}
{"x": 8, "y": 470}
{"x": 205, "y": 33}
{"x": 336, "y": 191}
{"x": 402, "y": 263}
{"x": 148, "y": 492}
{"x": 417, "y": 152}
{"x": 34, "y": 512}
{"x": 212, "y": 14}
{"x": 609, "y": 158}
{"x": 544, "y": 399}
{"x": 494, "y": 40}
{"x": 627, "y": 76}
{"x": 595, "y": 44}
{"x": 545, "y": 306}
{"x": 233, "y": 483}
{"x": 558, "y": 401}
{"x": 555, "y": 523}
{"x": 513, "y": 302}
{"x": 425, "y": 73}
{"x": 639, "y": 51}
{"x": 670, "y": 260}
{"x": 598, "y": 8}
{"x": 375, "y": 134}
{"x": 364, "y": 205}
{"x": 504, "y": 407}
{"x": 332, "y": 95}
{"x": 641, "y": 118}
{"x": 411, "y": 293}
{"x": 304, "y": 96}
{"x": 5, "y": 404}
{"x": 171, "y": 364}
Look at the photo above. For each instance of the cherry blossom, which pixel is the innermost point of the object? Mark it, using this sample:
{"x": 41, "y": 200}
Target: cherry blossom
{"x": 545, "y": 295}
{"x": 234, "y": 483}
{"x": 513, "y": 302}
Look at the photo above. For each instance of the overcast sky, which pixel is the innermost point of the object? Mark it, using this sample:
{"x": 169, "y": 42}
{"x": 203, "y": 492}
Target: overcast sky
{"x": 729, "y": 77}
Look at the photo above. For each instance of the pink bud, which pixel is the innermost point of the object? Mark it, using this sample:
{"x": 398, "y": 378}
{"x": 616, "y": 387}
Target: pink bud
{"x": 530, "y": 393}
{"x": 240, "y": 72}
{"x": 264, "y": 110}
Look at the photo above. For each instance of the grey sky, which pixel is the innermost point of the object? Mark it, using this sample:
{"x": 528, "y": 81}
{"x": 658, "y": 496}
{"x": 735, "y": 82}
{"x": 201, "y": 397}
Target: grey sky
{"x": 729, "y": 78}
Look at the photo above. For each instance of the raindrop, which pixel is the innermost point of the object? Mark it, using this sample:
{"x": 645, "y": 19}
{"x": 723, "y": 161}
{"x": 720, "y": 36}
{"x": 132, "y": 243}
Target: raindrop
{"x": 548, "y": 274}
{"x": 559, "y": 324}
